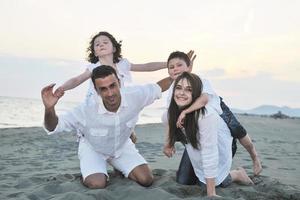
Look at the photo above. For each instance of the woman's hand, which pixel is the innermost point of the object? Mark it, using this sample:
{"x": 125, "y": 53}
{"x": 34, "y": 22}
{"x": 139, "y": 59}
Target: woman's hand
{"x": 169, "y": 151}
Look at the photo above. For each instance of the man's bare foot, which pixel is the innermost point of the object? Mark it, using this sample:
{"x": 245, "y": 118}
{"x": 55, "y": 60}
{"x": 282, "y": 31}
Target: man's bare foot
{"x": 242, "y": 176}
{"x": 257, "y": 168}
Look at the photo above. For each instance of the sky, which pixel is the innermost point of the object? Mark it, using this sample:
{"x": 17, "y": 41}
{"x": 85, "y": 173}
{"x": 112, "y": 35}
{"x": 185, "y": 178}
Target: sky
{"x": 248, "y": 49}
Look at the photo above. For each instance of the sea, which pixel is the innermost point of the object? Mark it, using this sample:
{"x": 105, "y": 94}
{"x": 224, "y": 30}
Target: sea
{"x": 25, "y": 112}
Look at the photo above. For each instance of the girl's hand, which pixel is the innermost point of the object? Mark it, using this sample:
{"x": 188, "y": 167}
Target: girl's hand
{"x": 59, "y": 92}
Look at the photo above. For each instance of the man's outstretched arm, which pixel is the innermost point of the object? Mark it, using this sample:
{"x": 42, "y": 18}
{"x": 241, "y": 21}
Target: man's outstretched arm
{"x": 49, "y": 101}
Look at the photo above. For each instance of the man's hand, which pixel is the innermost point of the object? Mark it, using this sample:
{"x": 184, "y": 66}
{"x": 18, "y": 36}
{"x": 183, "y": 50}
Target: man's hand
{"x": 169, "y": 151}
{"x": 48, "y": 97}
{"x": 192, "y": 57}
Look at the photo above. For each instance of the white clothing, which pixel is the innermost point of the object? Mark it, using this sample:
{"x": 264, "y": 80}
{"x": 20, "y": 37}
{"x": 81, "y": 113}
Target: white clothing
{"x": 92, "y": 162}
{"x": 214, "y": 157}
{"x": 123, "y": 72}
{"x": 213, "y": 98}
{"x": 105, "y": 131}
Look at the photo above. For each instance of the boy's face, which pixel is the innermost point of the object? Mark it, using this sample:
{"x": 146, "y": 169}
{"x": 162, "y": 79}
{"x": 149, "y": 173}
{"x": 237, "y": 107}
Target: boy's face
{"x": 177, "y": 66}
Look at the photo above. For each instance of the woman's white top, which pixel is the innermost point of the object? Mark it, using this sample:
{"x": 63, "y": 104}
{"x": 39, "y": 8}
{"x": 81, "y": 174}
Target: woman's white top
{"x": 214, "y": 157}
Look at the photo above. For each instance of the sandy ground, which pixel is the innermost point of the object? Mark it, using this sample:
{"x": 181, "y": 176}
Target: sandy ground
{"x": 36, "y": 166}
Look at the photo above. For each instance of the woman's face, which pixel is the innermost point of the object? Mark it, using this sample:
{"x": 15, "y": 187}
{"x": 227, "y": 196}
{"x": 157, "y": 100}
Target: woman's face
{"x": 183, "y": 93}
{"x": 103, "y": 46}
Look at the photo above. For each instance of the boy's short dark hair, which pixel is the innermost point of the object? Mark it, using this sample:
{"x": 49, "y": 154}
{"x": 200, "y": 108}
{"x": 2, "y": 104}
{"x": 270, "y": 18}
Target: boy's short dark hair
{"x": 181, "y": 55}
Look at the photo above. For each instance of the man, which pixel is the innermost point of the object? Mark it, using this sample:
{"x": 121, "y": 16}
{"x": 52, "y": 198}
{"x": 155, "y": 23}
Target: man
{"x": 105, "y": 127}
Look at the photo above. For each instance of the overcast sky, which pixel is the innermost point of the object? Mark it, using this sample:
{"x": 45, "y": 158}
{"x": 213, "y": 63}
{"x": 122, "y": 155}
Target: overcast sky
{"x": 248, "y": 49}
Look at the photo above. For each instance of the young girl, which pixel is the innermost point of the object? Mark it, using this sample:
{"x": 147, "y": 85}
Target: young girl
{"x": 206, "y": 137}
{"x": 105, "y": 50}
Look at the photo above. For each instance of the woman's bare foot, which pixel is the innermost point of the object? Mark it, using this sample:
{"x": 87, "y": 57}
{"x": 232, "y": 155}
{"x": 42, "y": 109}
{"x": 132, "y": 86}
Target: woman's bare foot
{"x": 257, "y": 168}
{"x": 240, "y": 175}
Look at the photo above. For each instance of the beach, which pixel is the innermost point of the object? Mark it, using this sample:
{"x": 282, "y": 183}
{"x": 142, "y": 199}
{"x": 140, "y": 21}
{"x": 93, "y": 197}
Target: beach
{"x": 36, "y": 166}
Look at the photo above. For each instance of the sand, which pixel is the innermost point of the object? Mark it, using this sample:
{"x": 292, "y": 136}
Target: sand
{"x": 36, "y": 166}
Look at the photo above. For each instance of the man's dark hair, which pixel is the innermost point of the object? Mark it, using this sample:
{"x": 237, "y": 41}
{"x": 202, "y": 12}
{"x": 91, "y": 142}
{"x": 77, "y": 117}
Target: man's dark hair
{"x": 103, "y": 71}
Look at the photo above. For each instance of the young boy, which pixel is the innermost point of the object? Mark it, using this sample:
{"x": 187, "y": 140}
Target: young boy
{"x": 179, "y": 62}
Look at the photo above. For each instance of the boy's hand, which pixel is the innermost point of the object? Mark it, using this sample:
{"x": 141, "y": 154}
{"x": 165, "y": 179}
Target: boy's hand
{"x": 192, "y": 57}
{"x": 180, "y": 120}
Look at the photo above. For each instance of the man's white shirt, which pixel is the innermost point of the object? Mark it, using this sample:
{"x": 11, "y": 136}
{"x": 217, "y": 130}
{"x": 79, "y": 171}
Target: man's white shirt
{"x": 106, "y": 131}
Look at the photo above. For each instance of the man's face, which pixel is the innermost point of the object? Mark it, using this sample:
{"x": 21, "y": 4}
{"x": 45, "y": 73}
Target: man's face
{"x": 109, "y": 90}
{"x": 176, "y": 67}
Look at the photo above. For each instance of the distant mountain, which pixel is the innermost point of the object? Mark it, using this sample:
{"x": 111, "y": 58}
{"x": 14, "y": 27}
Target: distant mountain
{"x": 269, "y": 110}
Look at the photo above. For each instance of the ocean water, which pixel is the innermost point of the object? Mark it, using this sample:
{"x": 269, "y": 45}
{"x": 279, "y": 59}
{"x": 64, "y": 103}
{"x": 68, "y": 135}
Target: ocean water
{"x": 22, "y": 112}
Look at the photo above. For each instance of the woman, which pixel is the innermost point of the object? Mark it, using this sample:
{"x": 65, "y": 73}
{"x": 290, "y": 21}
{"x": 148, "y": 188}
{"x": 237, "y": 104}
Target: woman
{"x": 205, "y": 135}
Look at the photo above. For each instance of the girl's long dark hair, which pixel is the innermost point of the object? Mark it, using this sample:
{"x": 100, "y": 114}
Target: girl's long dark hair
{"x": 117, "y": 45}
{"x": 191, "y": 119}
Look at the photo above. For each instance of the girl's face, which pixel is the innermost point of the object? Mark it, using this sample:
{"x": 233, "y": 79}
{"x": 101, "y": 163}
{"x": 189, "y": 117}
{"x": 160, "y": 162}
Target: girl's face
{"x": 176, "y": 67}
{"x": 183, "y": 93}
{"x": 103, "y": 46}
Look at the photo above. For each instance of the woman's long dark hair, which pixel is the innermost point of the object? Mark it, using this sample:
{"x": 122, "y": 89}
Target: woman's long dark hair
{"x": 191, "y": 119}
{"x": 117, "y": 45}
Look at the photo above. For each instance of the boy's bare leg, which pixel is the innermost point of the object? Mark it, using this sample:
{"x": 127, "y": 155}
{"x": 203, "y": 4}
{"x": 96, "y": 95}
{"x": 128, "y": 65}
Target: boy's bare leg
{"x": 248, "y": 145}
{"x": 239, "y": 175}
